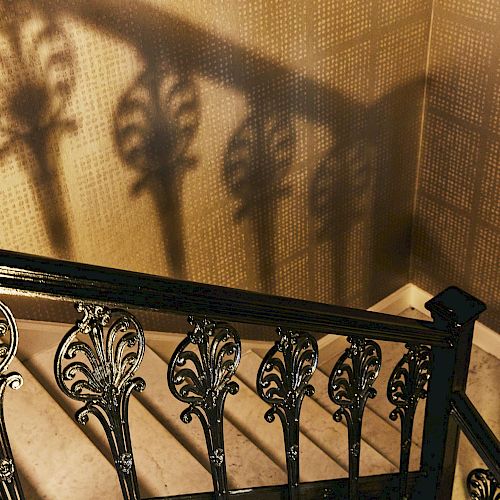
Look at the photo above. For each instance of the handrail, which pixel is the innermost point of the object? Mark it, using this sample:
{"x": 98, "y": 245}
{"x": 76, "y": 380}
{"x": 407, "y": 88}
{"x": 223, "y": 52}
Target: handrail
{"x": 477, "y": 431}
{"x": 30, "y": 274}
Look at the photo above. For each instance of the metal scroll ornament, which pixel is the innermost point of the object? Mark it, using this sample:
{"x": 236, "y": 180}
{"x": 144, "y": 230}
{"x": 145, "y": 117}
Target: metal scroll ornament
{"x": 407, "y": 385}
{"x": 10, "y": 486}
{"x": 482, "y": 485}
{"x": 97, "y": 367}
{"x": 199, "y": 374}
{"x": 350, "y": 386}
{"x": 283, "y": 381}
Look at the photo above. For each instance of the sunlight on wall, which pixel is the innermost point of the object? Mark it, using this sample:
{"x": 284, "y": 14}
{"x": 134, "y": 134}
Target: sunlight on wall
{"x": 268, "y": 145}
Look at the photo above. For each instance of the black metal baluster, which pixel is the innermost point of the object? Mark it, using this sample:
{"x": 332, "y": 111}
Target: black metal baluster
{"x": 203, "y": 379}
{"x": 282, "y": 382}
{"x": 350, "y": 386}
{"x": 482, "y": 485}
{"x": 407, "y": 385}
{"x": 102, "y": 376}
{"x": 10, "y": 485}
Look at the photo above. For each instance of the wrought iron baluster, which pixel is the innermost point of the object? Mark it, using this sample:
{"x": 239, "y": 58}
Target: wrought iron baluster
{"x": 203, "y": 380}
{"x": 407, "y": 385}
{"x": 350, "y": 385}
{"x": 102, "y": 376}
{"x": 283, "y": 381}
{"x": 482, "y": 485}
{"x": 10, "y": 485}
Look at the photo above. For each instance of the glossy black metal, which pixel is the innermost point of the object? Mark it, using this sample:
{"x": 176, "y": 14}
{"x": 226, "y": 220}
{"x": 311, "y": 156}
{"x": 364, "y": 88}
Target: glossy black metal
{"x": 199, "y": 374}
{"x": 101, "y": 374}
{"x": 40, "y": 275}
{"x": 384, "y": 486}
{"x": 454, "y": 310}
{"x": 283, "y": 381}
{"x": 407, "y": 385}
{"x": 482, "y": 485}
{"x": 477, "y": 431}
{"x": 10, "y": 486}
{"x": 350, "y": 386}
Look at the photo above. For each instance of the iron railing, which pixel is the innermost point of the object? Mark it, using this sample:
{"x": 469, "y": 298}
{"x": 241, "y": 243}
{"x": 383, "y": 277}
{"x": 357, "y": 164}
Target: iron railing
{"x": 97, "y": 360}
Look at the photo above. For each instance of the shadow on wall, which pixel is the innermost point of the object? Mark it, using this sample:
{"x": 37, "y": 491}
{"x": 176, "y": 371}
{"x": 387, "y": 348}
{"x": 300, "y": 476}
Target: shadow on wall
{"x": 41, "y": 74}
{"x": 155, "y": 124}
{"x": 258, "y": 159}
{"x": 358, "y": 186}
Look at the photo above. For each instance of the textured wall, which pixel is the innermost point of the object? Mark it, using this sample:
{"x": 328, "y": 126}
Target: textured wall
{"x": 457, "y": 219}
{"x": 261, "y": 144}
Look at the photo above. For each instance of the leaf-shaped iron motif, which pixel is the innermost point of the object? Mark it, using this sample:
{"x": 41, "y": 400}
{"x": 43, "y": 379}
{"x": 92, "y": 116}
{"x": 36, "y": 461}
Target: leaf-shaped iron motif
{"x": 95, "y": 363}
{"x": 482, "y": 485}
{"x": 407, "y": 385}
{"x": 199, "y": 374}
{"x": 350, "y": 386}
{"x": 283, "y": 382}
{"x": 10, "y": 486}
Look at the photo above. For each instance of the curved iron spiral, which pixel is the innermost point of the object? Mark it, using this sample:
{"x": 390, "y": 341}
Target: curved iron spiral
{"x": 10, "y": 486}
{"x": 283, "y": 382}
{"x": 350, "y": 385}
{"x": 482, "y": 485}
{"x": 97, "y": 368}
{"x": 199, "y": 374}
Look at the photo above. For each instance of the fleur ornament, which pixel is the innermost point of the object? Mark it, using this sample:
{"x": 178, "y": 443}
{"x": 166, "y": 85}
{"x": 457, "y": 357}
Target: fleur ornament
{"x": 95, "y": 363}
{"x": 283, "y": 382}
{"x": 350, "y": 385}
{"x": 199, "y": 374}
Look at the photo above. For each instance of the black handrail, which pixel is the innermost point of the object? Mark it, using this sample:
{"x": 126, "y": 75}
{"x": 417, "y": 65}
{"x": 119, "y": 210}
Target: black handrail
{"x": 477, "y": 431}
{"x": 27, "y": 274}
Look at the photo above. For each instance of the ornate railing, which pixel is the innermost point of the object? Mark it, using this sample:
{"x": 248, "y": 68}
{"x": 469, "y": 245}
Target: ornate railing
{"x": 97, "y": 360}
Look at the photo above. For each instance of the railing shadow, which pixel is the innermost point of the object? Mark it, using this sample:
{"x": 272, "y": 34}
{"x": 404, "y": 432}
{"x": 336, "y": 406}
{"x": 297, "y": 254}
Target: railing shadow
{"x": 157, "y": 119}
{"x": 41, "y": 79}
{"x": 155, "y": 124}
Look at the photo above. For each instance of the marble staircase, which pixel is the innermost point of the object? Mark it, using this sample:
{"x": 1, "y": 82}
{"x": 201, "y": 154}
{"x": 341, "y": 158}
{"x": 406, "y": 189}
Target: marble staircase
{"x": 58, "y": 459}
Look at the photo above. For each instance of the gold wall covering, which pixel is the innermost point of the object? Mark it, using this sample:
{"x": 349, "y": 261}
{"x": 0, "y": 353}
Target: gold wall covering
{"x": 457, "y": 219}
{"x": 262, "y": 144}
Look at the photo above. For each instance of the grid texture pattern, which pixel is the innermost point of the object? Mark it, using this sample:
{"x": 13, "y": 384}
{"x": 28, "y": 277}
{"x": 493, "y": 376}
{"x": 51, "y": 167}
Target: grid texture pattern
{"x": 252, "y": 144}
{"x": 456, "y": 237}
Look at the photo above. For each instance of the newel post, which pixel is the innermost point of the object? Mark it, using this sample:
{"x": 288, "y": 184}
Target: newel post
{"x": 455, "y": 311}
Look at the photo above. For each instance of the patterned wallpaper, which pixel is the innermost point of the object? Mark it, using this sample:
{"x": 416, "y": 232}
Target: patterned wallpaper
{"x": 270, "y": 145}
{"x": 457, "y": 219}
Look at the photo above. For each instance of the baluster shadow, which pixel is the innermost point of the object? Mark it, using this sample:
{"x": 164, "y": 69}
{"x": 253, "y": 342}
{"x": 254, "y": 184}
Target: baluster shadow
{"x": 155, "y": 125}
{"x": 40, "y": 80}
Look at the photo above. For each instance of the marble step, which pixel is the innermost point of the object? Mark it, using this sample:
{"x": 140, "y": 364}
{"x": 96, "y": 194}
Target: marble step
{"x": 164, "y": 466}
{"x": 381, "y": 433}
{"x": 247, "y": 465}
{"x": 54, "y": 457}
{"x": 318, "y": 426}
{"x": 246, "y": 411}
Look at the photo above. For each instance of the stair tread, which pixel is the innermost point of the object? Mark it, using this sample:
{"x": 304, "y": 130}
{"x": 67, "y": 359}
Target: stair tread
{"x": 247, "y": 465}
{"x": 317, "y": 424}
{"x": 43, "y": 437}
{"x": 153, "y": 445}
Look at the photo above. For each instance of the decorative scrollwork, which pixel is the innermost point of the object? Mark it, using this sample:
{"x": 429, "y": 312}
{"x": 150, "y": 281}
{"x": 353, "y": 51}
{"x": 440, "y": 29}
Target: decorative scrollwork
{"x": 350, "y": 386}
{"x": 199, "y": 374}
{"x": 407, "y": 385}
{"x": 101, "y": 374}
{"x": 482, "y": 485}
{"x": 283, "y": 382}
{"x": 10, "y": 486}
